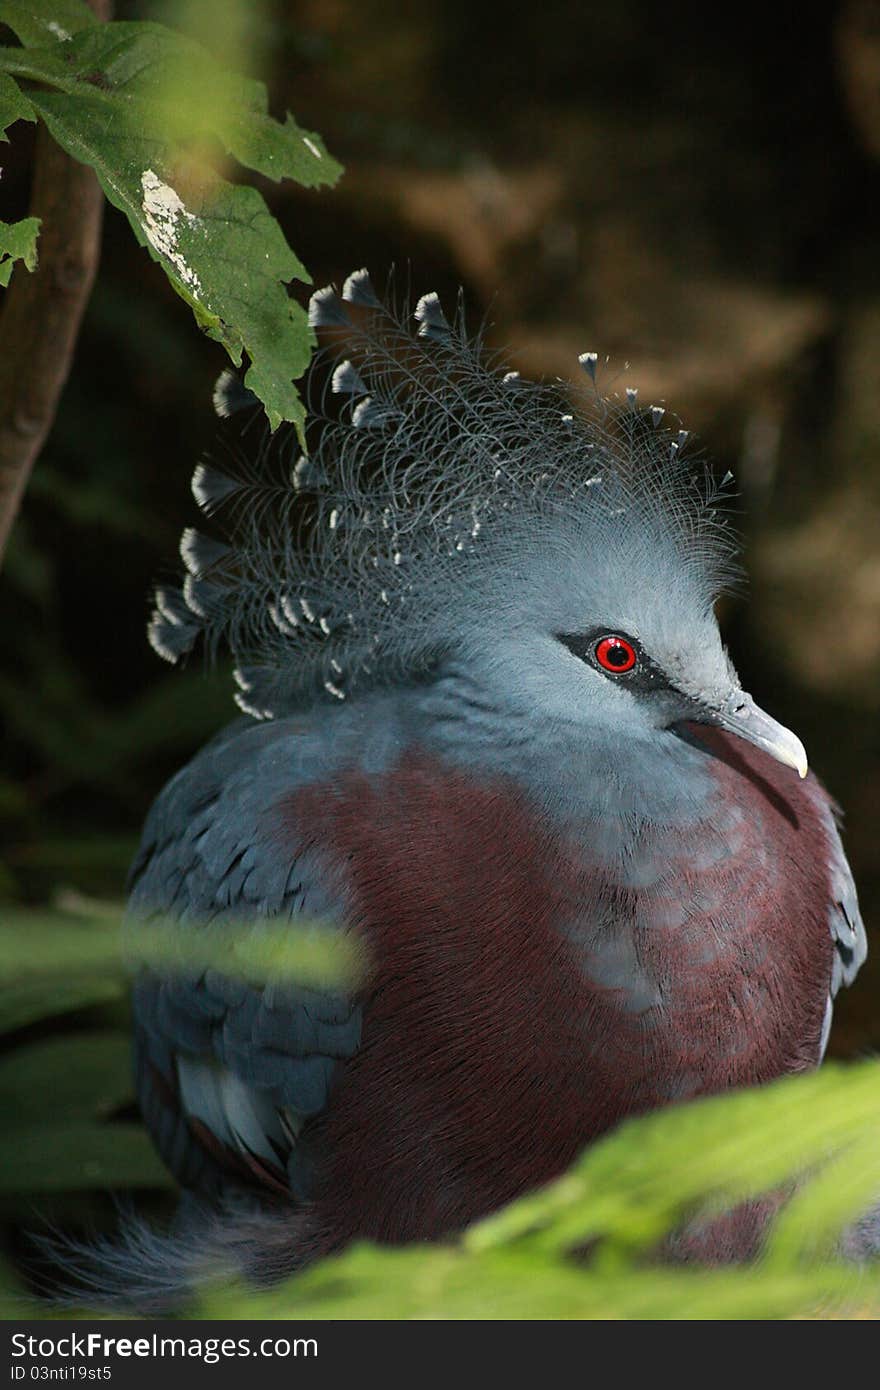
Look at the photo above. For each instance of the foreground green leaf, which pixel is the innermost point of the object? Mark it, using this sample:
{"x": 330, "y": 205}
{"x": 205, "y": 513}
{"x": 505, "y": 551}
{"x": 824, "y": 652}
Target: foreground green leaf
{"x": 14, "y": 105}
{"x": 83, "y": 955}
{"x": 635, "y": 1185}
{"x": 24, "y": 1001}
{"x": 587, "y": 1246}
{"x": 13, "y": 1301}
{"x": 43, "y": 21}
{"x": 70, "y": 1157}
{"x": 266, "y": 951}
{"x": 369, "y": 1282}
{"x": 623, "y": 1196}
{"x": 47, "y": 945}
{"x": 138, "y": 103}
{"x": 80, "y": 1076}
{"x": 18, "y": 242}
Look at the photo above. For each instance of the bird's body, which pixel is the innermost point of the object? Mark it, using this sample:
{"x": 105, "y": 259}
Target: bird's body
{"x": 587, "y": 878}
{"x": 537, "y": 972}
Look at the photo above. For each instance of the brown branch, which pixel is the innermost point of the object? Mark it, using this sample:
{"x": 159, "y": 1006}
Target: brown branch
{"x": 42, "y": 312}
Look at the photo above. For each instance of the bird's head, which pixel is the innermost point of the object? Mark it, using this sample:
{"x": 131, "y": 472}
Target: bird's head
{"x": 452, "y": 517}
{"x": 609, "y": 627}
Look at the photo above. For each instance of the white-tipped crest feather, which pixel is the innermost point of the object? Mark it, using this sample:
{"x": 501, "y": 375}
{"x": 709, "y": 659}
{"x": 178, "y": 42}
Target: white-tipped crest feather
{"x": 423, "y": 507}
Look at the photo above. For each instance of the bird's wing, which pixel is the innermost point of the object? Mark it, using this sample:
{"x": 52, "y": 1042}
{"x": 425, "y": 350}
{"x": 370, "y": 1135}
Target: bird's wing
{"x": 227, "y": 1072}
{"x": 844, "y": 921}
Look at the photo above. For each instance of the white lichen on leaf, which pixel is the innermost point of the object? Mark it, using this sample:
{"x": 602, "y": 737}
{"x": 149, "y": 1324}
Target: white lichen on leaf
{"x": 164, "y": 212}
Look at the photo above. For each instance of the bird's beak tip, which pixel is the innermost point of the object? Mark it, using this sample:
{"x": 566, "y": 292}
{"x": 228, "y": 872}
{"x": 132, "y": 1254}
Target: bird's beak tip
{"x": 742, "y": 717}
{"x": 787, "y": 748}
{"x": 798, "y": 761}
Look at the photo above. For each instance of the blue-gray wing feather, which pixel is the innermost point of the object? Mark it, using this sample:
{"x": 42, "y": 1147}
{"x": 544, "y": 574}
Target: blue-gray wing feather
{"x": 844, "y": 922}
{"x": 228, "y": 1072}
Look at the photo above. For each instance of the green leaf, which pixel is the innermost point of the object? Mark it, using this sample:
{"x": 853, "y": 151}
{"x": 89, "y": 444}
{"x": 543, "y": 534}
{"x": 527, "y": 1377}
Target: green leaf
{"x": 46, "y": 944}
{"x": 369, "y": 1282}
{"x": 142, "y": 105}
{"x": 26, "y": 1001}
{"x": 268, "y": 950}
{"x": 14, "y": 105}
{"x": 39, "y": 21}
{"x": 69, "y": 1157}
{"x": 53, "y": 962}
{"x": 96, "y": 1071}
{"x": 627, "y": 1192}
{"x": 153, "y": 68}
{"x": 810, "y": 1223}
{"x": 634, "y": 1186}
{"x": 224, "y": 253}
{"x": 18, "y": 242}
{"x": 14, "y": 1303}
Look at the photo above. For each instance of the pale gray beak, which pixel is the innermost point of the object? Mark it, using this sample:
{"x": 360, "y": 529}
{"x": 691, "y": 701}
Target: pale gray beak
{"x": 741, "y": 716}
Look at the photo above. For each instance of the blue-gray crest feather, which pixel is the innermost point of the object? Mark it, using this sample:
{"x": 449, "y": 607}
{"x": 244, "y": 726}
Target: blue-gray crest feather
{"x": 346, "y": 380}
{"x": 358, "y": 563}
{"x": 588, "y": 361}
{"x": 358, "y": 289}
{"x": 326, "y": 310}
{"x": 231, "y": 395}
{"x": 201, "y": 553}
{"x": 211, "y": 488}
{"x": 431, "y": 319}
{"x": 171, "y": 631}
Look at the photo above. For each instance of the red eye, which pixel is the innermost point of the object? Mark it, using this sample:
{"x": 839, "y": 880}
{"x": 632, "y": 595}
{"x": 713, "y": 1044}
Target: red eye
{"x": 615, "y": 654}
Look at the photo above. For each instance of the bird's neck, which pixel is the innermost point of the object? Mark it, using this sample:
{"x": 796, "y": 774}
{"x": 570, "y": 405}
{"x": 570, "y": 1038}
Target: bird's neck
{"x": 575, "y": 774}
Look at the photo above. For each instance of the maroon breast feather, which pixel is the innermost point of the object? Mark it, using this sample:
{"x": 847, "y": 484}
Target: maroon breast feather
{"x": 491, "y": 1056}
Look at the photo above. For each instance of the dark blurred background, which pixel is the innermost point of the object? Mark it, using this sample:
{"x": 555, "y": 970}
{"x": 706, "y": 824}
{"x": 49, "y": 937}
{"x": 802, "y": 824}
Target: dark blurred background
{"x": 690, "y": 189}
